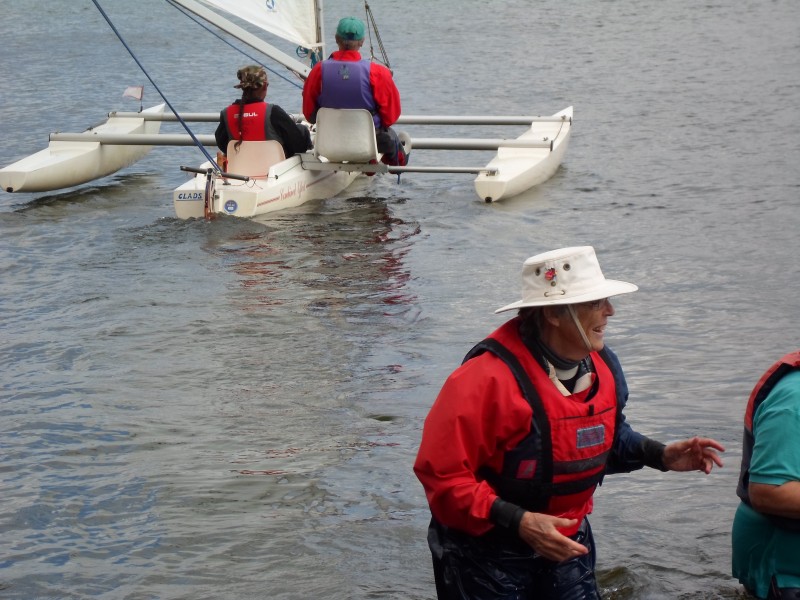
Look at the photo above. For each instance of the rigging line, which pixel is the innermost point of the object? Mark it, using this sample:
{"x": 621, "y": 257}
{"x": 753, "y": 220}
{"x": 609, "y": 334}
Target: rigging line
{"x": 371, "y": 19}
{"x": 160, "y": 93}
{"x": 560, "y": 127}
{"x": 220, "y": 37}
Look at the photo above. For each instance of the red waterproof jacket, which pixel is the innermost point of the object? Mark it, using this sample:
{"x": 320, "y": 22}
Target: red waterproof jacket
{"x": 384, "y": 90}
{"x": 485, "y": 439}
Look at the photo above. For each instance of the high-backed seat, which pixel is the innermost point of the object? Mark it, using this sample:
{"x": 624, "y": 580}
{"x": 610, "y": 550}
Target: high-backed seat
{"x": 254, "y": 158}
{"x": 345, "y": 135}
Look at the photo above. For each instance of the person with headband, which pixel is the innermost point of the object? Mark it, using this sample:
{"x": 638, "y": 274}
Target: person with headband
{"x": 251, "y": 118}
{"x": 344, "y": 80}
{"x": 524, "y": 431}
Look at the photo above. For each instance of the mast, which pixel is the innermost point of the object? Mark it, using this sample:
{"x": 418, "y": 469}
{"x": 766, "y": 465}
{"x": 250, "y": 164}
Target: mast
{"x": 320, "y": 30}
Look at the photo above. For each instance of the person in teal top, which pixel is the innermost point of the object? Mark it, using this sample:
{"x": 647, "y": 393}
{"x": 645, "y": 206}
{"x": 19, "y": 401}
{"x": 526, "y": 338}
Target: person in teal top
{"x": 766, "y": 527}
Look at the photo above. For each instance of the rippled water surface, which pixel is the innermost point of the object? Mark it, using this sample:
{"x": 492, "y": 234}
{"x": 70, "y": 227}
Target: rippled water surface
{"x": 231, "y": 409}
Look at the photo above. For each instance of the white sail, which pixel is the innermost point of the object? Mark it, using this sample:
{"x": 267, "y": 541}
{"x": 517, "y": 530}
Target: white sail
{"x": 292, "y": 20}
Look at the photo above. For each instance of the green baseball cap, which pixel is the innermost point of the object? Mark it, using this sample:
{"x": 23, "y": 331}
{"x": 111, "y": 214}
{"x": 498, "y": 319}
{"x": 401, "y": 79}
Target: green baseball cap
{"x": 350, "y": 28}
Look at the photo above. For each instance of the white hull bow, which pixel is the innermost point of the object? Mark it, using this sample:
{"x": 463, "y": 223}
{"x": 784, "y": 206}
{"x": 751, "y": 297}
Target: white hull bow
{"x": 66, "y": 164}
{"x": 519, "y": 169}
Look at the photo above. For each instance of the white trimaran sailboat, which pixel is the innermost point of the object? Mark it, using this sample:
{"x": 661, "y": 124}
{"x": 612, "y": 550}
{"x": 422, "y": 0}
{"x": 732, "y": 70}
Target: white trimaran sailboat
{"x": 258, "y": 178}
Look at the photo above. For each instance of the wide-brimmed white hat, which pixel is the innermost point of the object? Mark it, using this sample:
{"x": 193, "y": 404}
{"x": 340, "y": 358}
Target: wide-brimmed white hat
{"x": 565, "y": 276}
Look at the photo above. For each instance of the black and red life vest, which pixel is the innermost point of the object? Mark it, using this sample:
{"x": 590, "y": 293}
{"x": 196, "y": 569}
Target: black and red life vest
{"x": 557, "y": 466}
{"x": 762, "y": 389}
{"x": 256, "y": 122}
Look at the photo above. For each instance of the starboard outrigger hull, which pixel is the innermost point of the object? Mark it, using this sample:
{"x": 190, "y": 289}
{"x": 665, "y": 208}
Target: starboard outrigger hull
{"x": 519, "y": 169}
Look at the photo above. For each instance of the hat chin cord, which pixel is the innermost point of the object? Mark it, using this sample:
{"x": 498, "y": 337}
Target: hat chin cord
{"x": 574, "y": 316}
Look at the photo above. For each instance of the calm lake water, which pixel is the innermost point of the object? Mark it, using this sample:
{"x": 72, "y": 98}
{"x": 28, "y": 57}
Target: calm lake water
{"x": 231, "y": 409}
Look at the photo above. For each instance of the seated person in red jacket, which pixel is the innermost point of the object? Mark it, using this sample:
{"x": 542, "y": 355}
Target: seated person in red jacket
{"x": 252, "y": 119}
{"x": 346, "y": 81}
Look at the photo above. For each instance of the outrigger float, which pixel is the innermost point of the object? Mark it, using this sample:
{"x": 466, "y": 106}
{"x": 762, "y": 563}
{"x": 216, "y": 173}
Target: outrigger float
{"x": 258, "y": 178}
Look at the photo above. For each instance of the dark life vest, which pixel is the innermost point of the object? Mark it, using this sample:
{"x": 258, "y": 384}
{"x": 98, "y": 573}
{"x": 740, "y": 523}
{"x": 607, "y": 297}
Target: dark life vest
{"x": 256, "y": 122}
{"x": 345, "y": 84}
{"x": 764, "y": 386}
{"x": 557, "y": 466}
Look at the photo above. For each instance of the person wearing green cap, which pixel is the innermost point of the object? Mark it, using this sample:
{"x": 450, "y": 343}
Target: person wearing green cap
{"x": 344, "y": 80}
{"x": 251, "y": 118}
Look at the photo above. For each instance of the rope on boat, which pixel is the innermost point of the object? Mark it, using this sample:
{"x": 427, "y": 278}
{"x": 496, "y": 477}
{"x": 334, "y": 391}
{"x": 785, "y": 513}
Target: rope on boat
{"x": 374, "y": 27}
{"x": 560, "y": 129}
{"x": 313, "y": 57}
{"x": 160, "y": 93}
{"x": 239, "y": 50}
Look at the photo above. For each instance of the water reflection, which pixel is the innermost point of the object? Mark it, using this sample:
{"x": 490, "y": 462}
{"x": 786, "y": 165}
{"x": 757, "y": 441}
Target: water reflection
{"x": 347, "y": 258}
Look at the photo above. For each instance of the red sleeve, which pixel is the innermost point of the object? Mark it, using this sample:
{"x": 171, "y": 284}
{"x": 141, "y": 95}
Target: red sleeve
{"x": 386, "y": 94}
{"x": 478, "y": 415}
{"x": 311, "y": 91}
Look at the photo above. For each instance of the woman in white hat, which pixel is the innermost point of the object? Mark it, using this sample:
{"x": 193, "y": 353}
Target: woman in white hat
{"x": 523, "y": 432}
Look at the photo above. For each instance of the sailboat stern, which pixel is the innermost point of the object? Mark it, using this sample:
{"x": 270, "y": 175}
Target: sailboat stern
{"x": 189, "y": 199}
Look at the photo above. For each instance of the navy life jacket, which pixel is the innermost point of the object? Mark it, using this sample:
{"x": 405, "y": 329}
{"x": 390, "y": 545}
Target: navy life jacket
{"x": 345, "y": 84}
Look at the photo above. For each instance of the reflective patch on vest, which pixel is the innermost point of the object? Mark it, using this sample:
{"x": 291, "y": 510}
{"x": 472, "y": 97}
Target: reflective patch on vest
{"x": 591, "y": 436}
{"x": 526, "y": 469}
{"x": 344, "y": 72}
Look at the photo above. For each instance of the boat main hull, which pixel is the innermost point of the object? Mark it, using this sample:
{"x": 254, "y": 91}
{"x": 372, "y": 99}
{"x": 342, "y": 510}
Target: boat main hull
{"x": 287, "y": 185}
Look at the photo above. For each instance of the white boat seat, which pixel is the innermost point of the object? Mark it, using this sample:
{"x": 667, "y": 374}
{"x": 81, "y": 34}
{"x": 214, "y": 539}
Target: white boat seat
{"x": 254, "y": 158}
{"x": 345, "y": 135}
